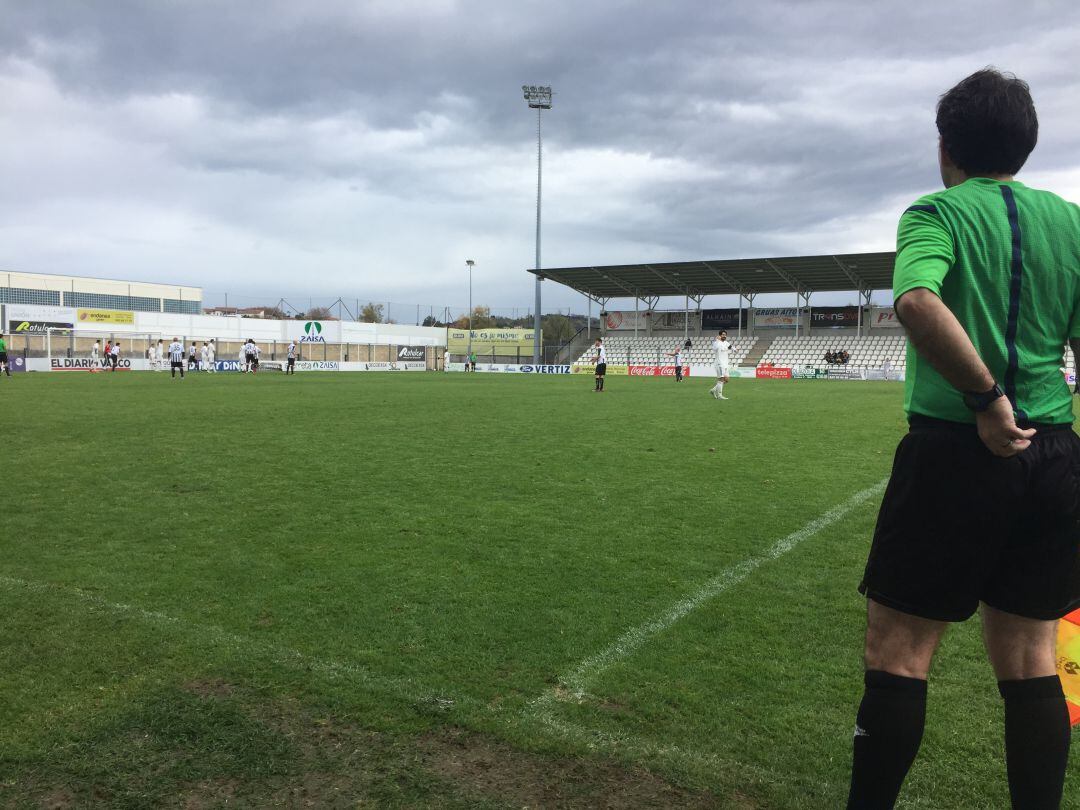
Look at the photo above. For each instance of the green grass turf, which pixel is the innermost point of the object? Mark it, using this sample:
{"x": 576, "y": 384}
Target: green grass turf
{"x": 343, "y": 589}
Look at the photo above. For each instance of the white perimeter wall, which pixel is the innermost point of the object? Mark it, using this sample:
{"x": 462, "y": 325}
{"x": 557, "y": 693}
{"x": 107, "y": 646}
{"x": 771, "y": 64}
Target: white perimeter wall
{"x": 202, "y": 327}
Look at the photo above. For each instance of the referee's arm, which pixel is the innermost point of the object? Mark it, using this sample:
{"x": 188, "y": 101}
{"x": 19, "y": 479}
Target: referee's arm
{"x": 939, "y": 338}
{"x": 1074, "y": 344}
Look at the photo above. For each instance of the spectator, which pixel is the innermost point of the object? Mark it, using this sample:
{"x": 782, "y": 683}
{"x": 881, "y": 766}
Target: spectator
{"x": 844, "y": 357}
{"x": 828, "y": 357}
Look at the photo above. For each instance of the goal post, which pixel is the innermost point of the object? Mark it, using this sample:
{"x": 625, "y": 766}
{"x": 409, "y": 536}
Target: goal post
{"x": 67, "y": 350}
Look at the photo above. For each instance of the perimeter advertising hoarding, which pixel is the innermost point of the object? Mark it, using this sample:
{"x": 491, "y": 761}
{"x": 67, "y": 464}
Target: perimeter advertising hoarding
{"x": 656, "y": 371}
{"x": 722, "y": 318}
{"x": 772, "y": 373}
{"x": 486, "y": 341}
{"x": 589, "y": 368}
{"x": 833, "y": 317}
{"x": 776, "y": 317}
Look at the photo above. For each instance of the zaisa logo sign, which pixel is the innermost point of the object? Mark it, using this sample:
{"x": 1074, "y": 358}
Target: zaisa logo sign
{"x": 312, "y": 333}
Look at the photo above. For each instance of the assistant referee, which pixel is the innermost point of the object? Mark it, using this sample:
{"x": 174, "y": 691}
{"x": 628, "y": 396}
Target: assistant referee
{"x": 982, "y": 511}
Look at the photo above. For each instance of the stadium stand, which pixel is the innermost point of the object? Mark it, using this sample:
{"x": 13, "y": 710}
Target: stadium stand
{"x": 653, "y": 350}
{"x": 866, "y": 352}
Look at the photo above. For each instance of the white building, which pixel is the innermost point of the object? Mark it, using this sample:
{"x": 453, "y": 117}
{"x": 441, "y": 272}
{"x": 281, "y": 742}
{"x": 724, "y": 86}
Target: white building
{"x": 43, "y": 289}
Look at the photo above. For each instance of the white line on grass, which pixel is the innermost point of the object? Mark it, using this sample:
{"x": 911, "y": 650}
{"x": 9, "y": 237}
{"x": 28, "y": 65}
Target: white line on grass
{"x": 283, "y": 655}
{"x": 577, "y": 680}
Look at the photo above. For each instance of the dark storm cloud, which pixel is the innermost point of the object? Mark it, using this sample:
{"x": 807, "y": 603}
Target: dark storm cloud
{"x": 378, "y": 132}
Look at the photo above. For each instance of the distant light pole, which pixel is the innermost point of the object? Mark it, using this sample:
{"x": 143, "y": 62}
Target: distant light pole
{"x": 539, "y": 99}
{"x": 468, "y": 356}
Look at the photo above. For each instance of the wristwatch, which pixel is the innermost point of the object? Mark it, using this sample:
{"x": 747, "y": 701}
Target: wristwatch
{"x": 980, "y": 402}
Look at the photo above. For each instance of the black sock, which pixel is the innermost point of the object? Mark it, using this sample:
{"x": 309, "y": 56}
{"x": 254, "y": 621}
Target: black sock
{"x": 1037, "y": 735}
{"x": 888, "y": 731}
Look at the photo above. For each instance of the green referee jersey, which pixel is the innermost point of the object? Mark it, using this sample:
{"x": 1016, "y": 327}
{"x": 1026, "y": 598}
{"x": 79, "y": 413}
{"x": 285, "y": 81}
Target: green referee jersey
{"x": 1006, "y": 260}
{"x": 3, "y": 346}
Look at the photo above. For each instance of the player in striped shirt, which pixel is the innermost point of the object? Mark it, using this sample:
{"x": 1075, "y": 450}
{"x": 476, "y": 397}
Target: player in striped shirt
{"x": 601, "y": 365}
{"x": 176, "y": 357}
{"x": 251, "y": 355}
{"x": 290, "y": 366}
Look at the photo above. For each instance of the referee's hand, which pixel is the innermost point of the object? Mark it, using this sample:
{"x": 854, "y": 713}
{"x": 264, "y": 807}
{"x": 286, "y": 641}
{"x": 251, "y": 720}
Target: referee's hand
{"x": 998, "y": 430}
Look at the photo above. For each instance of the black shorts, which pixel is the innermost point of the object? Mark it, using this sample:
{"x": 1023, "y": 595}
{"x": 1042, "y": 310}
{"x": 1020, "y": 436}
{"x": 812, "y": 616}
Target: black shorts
{"x": 177, "y": 364}
{"x": 292, "y": 361}
{"x": 959, "y": 526}
{"x": 3, "y": 357}
{"x": 601, "y": 369}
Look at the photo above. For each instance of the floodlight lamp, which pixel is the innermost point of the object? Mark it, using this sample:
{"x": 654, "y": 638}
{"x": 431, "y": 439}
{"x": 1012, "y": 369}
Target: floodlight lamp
{"x": 470, "y": 262}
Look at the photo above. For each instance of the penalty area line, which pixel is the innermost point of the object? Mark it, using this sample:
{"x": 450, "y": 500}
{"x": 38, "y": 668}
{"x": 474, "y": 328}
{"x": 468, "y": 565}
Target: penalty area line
{"x": 245, "y": 644}
{"x": 576, "y": 681}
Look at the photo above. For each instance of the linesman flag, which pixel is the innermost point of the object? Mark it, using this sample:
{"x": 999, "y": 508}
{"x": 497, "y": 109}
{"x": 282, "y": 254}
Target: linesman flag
{"x": 1068, "y": 661}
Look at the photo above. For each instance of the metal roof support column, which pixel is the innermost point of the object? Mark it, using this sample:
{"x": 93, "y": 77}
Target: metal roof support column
{"x": 636, "y": 299}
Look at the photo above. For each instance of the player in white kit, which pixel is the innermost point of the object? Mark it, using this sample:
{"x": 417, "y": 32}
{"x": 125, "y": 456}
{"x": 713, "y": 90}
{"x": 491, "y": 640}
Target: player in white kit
{"x": 95, "y": 354}
{"x": 204, "y": 357}
{"x": 723, "y": 364}
{"x": 159, "y": 356}
{"x": 211, "y": 354}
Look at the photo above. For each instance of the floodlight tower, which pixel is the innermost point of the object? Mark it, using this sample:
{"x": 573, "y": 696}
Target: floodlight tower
{"x": 539, "y": 99}
{"x": 468, "y": 352}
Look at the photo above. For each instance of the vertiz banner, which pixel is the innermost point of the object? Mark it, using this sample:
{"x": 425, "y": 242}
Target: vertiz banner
{"x": 776, "y": 317}
{"x": 884, "y": 318}
{"x": 831, "y": 317}
{"x": 723, "y": 318}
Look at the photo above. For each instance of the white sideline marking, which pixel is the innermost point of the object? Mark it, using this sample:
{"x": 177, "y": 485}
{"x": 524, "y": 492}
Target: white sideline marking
{"x": 578, "y": 679}
{"x": 283, "y": 655}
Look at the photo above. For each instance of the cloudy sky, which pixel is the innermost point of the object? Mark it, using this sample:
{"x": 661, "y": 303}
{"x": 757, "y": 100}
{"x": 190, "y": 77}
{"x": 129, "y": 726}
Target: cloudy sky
{"x": 367, "y": 148}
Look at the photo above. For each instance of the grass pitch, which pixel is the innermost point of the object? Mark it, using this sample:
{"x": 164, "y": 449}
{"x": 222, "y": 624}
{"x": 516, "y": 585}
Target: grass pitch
{"x": 417, "y": 590}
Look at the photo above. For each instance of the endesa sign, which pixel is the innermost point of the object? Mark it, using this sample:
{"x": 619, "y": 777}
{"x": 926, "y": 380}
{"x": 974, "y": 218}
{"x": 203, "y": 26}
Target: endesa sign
{"x": 656, "y": 371}
{"x": 772, "y": 373}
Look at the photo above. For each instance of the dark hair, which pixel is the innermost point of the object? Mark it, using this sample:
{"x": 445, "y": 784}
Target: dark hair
{"x": 987, "y": 123}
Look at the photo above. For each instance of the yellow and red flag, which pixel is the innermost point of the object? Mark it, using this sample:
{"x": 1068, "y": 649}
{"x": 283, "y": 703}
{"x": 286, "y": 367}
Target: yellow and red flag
{"x": 1068, "y": 661}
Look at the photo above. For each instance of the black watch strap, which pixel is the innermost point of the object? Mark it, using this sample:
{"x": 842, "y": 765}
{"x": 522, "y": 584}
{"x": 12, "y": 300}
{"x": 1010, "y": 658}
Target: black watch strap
{"x": 980, "y": 402}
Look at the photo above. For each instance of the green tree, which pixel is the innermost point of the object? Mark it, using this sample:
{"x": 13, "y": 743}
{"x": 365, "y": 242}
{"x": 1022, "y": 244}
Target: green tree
{"x": 371, "y": 312}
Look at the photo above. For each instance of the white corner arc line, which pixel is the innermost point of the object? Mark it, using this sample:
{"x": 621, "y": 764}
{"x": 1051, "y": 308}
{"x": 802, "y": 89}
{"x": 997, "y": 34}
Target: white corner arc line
{"x": 577, "y": 680}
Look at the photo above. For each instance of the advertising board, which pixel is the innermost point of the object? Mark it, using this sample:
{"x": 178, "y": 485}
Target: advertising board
{"x": 87, "y": 317}
{"x": 772, "y": 373}
{"x": 656, "y": 371}
{"x": 884, "y": 318}
{"x": 627, "y": 320}
{"x": 489, "y": 341}
{"x": 833, "y": 317}
{"x": 317, "y": 365}
{"x": 86, "y": 364}
{"x": 722, "y": 318}
{"x": 776, "y": 317}
{"x": 588, "y": 368}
